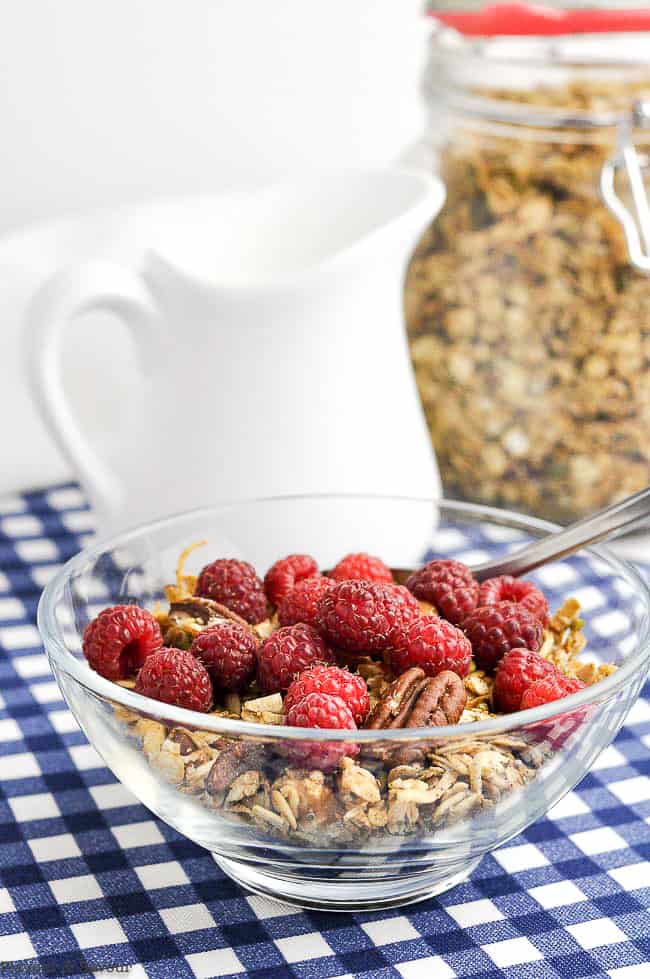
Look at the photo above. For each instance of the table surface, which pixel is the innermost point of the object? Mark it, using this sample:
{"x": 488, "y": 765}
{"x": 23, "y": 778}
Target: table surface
{"x": 91, "y": 880}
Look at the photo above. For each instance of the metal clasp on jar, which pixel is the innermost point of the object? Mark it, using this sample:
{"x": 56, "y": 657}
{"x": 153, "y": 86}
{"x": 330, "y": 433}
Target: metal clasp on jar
{"x": 635, "y": 220}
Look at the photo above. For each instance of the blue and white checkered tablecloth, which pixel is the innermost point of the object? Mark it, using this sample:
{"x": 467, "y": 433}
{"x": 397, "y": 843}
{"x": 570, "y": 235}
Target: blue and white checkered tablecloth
{"x": 91, "y": 881}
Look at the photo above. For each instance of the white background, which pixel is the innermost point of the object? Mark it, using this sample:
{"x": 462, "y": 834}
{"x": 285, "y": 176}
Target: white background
{"x": 109, "y": 103}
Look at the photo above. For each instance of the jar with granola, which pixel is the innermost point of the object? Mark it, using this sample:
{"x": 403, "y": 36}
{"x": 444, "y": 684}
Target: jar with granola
{"x": 528, "y": 298}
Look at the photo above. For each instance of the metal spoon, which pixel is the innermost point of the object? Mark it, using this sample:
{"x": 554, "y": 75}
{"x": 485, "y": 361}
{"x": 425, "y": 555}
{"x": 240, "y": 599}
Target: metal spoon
{"x": 599, "y": 526}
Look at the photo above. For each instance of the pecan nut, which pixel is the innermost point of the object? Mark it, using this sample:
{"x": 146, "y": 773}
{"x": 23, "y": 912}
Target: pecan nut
{"x": 233, "y": 760}
{"x": 416, "y": 700}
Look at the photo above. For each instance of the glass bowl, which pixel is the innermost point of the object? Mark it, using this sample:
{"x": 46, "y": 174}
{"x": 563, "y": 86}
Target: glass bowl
{"x": 349, "y": 840}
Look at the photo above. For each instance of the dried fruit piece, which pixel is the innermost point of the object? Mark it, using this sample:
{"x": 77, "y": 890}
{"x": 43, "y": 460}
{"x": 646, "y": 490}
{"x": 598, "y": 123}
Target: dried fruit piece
{"x": 320, "y": 710}
{"x": 337, "y": 682}
{"x": 505, "y": 588}
{"x": 449, "y": 586}
{"x": 236, "y": 585}
{"x": 301, "y": 604}
{"x": 494, "y": 630}
{"x": 434, "y": 645}
{"x": 362, "y": 567}
{"x": 518, "y": 669}
{"x": 286, "y": 653}
{"x": 119, "y": 640}
{"x": 174, "y": 676}
{"x": 363, "y": 616}
{"x": 229, "y": 653}
{"x": 282, "y": 576}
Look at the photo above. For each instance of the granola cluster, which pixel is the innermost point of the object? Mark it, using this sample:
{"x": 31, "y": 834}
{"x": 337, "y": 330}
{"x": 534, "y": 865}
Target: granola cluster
{"x": 383, "y": 792}
{"x": 529, "y": 330}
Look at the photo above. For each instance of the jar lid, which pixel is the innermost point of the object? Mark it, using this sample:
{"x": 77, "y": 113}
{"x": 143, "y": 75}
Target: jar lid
{"x": 522, "y": 20}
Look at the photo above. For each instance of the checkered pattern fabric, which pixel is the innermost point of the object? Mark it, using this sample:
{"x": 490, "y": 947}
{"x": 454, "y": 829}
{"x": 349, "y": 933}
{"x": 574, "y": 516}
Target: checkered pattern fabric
{"x": 91, "y": 881}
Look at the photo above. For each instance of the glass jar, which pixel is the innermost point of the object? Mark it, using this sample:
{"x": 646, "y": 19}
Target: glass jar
{"x": 528, "y": 323}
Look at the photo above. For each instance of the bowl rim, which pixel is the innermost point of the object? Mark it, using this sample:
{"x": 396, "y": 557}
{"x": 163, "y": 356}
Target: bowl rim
{"x": 59, "y": 654}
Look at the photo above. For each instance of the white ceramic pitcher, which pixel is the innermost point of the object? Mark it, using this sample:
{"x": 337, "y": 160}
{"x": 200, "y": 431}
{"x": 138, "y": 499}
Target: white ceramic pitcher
{"x": 270, "y": 335}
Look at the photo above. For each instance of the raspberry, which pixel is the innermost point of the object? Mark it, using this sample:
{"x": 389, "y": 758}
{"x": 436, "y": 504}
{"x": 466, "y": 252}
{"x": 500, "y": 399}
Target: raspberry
{"x": 363, "y": 567}
{"x": 515, "y": 673}
{"x": 301, "y": 604}
{"x": 434, "y": 645}
{"x": 363, "y": 616}
{"x": 320, "y": 710}
{"x": 449, "y": 585}
{"x": 119, "y": 640}
{"x": 229, "y": 653}
{"x": 176, "y": 677}
{"x": 286, "y": 653}
{"x": 404, "y": 606}
{"x": 494, "y": 630}
{"x": 282, "y": 576}
{"x": 235, "y": 585}
{"x": 509, "y": 589}
{"x": 549, "y": 688}
{"x": 332, "y": 680}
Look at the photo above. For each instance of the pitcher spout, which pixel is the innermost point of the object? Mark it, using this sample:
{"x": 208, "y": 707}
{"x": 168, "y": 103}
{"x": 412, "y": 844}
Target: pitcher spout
{"x": 289, "y": 233}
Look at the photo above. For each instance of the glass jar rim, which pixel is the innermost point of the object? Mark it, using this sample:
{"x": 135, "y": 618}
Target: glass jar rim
{"x": 450, "y": 54}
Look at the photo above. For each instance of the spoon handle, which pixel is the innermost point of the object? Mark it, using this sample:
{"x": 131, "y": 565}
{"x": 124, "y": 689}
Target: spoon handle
{"x": 596, "y": 527}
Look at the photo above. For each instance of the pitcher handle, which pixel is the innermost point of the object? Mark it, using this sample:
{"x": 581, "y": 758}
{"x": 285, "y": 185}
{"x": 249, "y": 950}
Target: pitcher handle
{"x": 69, "y": 293}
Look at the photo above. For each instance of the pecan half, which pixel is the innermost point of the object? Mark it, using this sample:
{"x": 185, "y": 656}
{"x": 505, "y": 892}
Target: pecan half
{"x": 234, "y": 759}
{"x": 415, "y": 700}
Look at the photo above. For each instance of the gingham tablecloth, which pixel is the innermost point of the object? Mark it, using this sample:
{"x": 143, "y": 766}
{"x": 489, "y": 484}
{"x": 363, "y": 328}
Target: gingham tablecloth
{"x": 92, "y": 881}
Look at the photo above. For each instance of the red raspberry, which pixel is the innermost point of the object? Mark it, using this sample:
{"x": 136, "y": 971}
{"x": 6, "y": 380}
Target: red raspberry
{"x": 363, "y": 616}
{"x": 229, "y": 653}
{"x": 449, "y": 585}
{"x": 175, "y": 676}
{"x": 509, "y": 589}
{"x": 286, "y": 653}
{"x": 301, "y": 604}
{"x": 550, "y": 688}
{"x": 404, "y": 606}
{"x": 494, "y": 630}
{"x": 320, "y": 710}
{"x": 119, "y": 640}
{"x": 515, "y": 673}
{"x": 336, "y": 682}
{"x": 235, "y": 585}
{"x": 434, "y": 645}
{"x": 363, "y": 567}
{"x": 282, "y": 576}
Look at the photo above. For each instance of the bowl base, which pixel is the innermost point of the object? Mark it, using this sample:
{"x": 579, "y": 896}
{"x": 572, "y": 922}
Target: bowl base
{"x": 338, "y": 895}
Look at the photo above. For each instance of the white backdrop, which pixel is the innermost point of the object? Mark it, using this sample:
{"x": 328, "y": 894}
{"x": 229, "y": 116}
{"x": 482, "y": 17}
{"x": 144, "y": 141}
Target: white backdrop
{"x": 103, "y": 104}
{"x": 109, "y": 102}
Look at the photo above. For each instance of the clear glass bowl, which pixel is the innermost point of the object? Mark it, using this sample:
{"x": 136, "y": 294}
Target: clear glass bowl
{"x": 327, "y": 860}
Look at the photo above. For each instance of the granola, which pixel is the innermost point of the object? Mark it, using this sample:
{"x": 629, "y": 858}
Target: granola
{"x": 384, "y": 792}
{"x": 529, "y": 330}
